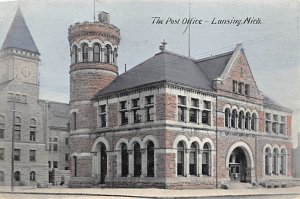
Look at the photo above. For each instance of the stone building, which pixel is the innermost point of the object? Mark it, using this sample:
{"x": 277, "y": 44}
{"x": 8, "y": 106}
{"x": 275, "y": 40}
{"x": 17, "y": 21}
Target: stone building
{"x": 171, "y": 121}
{"x": 33, "y": 121}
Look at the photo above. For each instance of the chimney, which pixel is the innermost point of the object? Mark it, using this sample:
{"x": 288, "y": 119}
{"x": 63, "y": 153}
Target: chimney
{"x": 103, "y": 17}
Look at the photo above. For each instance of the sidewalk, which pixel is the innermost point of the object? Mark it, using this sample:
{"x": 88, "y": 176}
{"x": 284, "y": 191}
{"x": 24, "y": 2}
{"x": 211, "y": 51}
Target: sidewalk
{"x": 154, "y": 193}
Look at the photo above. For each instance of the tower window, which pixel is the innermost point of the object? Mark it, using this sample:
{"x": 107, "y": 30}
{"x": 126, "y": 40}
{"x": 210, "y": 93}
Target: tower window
{"x": 107, "y": 53}
{"x": 75, "y": 54}
{"x": 85, "y": 53}
{"x": 96, "y": 53}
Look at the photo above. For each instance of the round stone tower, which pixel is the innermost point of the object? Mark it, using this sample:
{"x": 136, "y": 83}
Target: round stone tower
{"x": 94, "y": 52}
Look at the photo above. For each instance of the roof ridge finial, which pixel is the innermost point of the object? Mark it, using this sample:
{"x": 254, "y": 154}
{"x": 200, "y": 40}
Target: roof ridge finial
{"x": 162, "y": 47}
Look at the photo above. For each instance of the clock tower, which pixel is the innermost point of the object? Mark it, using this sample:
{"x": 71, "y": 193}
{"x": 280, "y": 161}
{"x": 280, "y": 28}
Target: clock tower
{"x": 19, "y": 56}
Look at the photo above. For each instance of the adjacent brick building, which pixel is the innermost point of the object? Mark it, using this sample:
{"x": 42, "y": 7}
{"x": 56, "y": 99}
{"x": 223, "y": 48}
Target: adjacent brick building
{"x": 171, "y": 121}
{"x": 40, "y": 127}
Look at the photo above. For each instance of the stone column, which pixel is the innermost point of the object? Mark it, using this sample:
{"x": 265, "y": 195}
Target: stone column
{"x": 90, "y": 55}
{"x": 130, "y": 163}
{"x": 199, "y": 163}
{"x": 270, "y": 163}
{"x": 119, "y": 162}
{"x": 144, "y": 163}
{"x": 187, "y": 163}
{"x": 79, "y": 55}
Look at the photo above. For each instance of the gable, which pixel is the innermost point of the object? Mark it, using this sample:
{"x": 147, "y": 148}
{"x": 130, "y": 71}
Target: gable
{"x": 238, "y": 70}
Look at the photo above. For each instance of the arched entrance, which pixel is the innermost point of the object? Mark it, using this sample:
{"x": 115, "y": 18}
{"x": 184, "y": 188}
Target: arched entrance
{"x": 239, "y": 167}
{"x": 101, "y": 163}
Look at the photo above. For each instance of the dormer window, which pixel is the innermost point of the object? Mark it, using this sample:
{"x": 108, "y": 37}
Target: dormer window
{"x": 234, "y": 86}
{"x": 247, "y": 89}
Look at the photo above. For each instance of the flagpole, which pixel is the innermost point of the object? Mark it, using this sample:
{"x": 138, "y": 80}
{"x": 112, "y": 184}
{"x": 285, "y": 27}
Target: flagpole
{"x": 189, "y": 38}
{"x": 94, "y": 10}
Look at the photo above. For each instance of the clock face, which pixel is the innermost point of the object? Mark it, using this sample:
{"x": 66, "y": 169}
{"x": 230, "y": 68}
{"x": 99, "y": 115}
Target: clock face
{"x": 25, "y": 72}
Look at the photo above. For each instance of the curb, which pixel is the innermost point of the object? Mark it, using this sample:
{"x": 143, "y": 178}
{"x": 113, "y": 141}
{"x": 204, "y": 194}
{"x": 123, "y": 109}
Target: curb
{"x": 154, "y": 197}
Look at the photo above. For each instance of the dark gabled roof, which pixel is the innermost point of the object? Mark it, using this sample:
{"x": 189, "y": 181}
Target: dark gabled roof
{"x": 215, "y": 65}
{"x": 164, "y": 66}
{"x": 19, "y": 36}
{"x": 271, "y": 104}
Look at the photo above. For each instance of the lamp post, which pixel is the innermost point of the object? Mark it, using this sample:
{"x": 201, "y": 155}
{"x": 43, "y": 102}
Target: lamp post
{"x": 13, "y": 146}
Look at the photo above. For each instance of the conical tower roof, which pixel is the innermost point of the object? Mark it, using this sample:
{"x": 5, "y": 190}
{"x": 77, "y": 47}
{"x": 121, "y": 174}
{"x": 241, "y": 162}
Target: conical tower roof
{"x": 19, "y": 36}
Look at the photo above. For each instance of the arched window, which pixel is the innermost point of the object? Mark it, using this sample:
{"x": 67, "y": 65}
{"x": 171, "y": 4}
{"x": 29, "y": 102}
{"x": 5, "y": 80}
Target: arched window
{"x": 17, "y": 176}
{"x": 150, "y": 159}
{"x": 227, "y": 117}
{"x": 253, "y": 122}
{"x": 206, "y": 159}
{"x": 180, "y": 159}
{"x": 115, "y": 56}
{"x": 55, "y": 144}
{"x": 2, "y": 126}
{"x": 124, "y": 160}
{"x": 233, "y": 118}
{"x": 193, "y": 159}
{"x": 241, "y": 120}
{"x": 1, "y": 176}
{"x": 96, "y": 52}
{"x": 247, "y": 121}
{"x": 107, "y": 53}
{"x": 85, "y": 53}
{"x": 75, "y": 54}
{"x": 282, "y": 165}
{"x": 17, "y": 126}
{"x": 267, "y": 158}
{"x": 32, "y": 176}
{"x": 137, "y": 157}
{"x": 275, "y": 162}
{"x": 32, "y": 130}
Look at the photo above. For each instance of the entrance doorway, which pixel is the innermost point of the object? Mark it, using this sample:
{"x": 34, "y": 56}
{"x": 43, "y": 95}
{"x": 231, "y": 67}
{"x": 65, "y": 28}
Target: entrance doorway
{"x": 239, "y": 169}
{"x": 101, "y": 163}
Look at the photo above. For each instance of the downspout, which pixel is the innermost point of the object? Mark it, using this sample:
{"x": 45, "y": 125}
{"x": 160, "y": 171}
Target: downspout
{"x": 216, "y": 121}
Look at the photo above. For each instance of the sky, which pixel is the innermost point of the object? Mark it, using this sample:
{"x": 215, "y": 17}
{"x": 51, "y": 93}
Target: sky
{"x": 272, "y": 47}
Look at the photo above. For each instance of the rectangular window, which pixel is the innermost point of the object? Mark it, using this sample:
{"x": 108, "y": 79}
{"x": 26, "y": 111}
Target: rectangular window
{"x": 206, "y": 113}
{"x": 17, "y": 132}
{"x": 2, "y": 128}
{"x": 123, "y": 105}
{"x": 181, "y": 113}
{"x": 66, "y": 157}
{"x": 102, "y": 115}
{"x": 67, "y": 141}
{"x": 32, "y": 136}
{"x": 234, "y": 86}
{"x": 275, "y": 117}
{"x": 137, "y": 116}
{"x": 136, "y": 103}
{"x": 49, "y": 164}
{"x": 55, "y": 164}
{"x": 241, "y": 88}
{"x": 282, "y": 128}
{"x": 124, "y": 117}
{"x": 149, "y": 100}
{"x": 2, "y": 153}
{"x": 193, "y": 115}
{"x": 74, "y": 121}
{"x": 17, "y": 153}
{"x": 194, "y": 102}
{"x": 150, "y": 114}
{"x": 274, "y": 127}
{"x": 181, "y": 100}
{"x": 149, "y": 107}
{"x": 268, "y": 126}
{"x": 205, "y": 163}
{"x": 268, "y": 116}
{"x": 247, "y": 89}
{"x": 32, "y": 155}
{"x": 66, "y": 168}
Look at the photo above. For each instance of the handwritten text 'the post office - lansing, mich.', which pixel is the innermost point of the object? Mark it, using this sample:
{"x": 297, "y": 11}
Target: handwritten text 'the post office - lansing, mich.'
{"x": 214, "y": 21}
